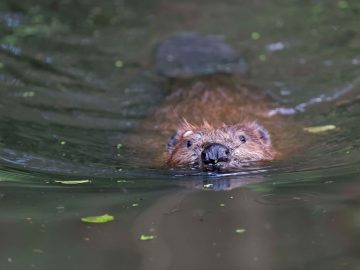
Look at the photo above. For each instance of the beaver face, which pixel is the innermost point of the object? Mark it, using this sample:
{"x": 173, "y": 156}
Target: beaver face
{"x": 218, "y": 149}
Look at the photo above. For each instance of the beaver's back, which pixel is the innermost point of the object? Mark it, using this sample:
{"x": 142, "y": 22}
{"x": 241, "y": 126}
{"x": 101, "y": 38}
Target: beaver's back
{"x": 219, "y": 99}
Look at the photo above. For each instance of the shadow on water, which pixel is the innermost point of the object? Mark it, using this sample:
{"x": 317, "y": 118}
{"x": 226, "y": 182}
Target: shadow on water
{"x": 77, "y": 78}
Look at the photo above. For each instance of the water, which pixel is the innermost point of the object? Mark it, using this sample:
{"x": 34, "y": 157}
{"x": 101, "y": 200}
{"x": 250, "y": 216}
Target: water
{"x": 77, "y": 78}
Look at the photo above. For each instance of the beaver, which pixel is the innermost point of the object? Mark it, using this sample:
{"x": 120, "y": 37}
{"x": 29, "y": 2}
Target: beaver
{"x": 215, "y": 120}
{"x": 219, "y": 124}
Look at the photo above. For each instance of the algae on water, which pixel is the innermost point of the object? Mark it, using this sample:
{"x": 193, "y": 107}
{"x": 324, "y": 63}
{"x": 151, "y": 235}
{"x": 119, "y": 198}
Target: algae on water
{"x": 98, "y": 219}
{"x": 319, "y": 129}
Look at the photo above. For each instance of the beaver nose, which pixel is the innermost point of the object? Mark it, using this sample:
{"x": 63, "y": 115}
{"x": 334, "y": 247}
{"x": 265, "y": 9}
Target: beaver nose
{"x": 214, "y": 153}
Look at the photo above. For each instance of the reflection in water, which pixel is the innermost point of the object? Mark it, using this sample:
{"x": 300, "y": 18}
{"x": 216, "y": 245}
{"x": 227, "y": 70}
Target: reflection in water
{"x": 197, "y": 230}
{"x": 306, "y": 222}
{"x": 77, "y": 78}
{"x": 338, "y": 93}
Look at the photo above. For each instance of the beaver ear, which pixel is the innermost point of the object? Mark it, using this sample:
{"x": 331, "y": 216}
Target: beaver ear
{"x": 175, "y": 138}
{"x": 264, "y": 134}
{"x": 187, "y": 133}
{"x": 172, "y": 141}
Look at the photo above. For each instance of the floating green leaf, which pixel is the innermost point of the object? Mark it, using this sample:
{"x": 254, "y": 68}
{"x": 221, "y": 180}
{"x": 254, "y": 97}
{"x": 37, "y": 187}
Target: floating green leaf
{"x": 255, "y": 35}
{"x": 240, "y": 231}
{"x": 28, "y": 94}
{"x": 98, "y": 219}
{"x": 262, "y": 57}
{"x": 72, "y": 182}
{"x": 343, "y": 4}
{"x": 319, "y": 129}
{"x": 119, "y": 145}
{"x": 145, "y": 237}
{"x": 119, "y": 63}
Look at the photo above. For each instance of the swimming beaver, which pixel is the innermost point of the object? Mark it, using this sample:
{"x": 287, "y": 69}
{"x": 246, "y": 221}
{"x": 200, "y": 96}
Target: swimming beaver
{"x": 220, "y": 122}
{"x": 229, "y": 146}
{"x": 217, "y": 122}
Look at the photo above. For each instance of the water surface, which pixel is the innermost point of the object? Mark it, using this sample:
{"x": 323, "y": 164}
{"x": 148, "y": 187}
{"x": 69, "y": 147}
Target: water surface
{"x": 77, "y": 78}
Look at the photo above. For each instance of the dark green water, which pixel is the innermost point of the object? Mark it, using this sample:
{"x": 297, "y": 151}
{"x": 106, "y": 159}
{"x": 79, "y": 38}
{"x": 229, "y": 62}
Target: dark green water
{"x": 76, "y": 79}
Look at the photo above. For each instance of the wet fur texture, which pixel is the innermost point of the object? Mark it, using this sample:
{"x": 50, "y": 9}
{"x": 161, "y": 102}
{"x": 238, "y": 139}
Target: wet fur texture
{"x": 218, "y": 108}
{"x": 247, "y": 142}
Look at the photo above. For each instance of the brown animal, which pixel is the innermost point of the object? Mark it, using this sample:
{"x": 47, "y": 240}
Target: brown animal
{"x": 219, "y": 121}
{"x": 226, "y": 147}
{"x": 215, "y": 122}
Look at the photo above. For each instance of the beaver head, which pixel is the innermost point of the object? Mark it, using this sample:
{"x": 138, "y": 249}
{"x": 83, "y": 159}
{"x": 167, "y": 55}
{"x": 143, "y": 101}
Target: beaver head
{"x": 218, "y": 149}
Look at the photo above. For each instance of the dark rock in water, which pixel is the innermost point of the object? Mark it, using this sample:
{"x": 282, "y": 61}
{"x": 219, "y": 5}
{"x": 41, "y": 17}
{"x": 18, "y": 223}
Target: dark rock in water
{"x": 192, "y": 54}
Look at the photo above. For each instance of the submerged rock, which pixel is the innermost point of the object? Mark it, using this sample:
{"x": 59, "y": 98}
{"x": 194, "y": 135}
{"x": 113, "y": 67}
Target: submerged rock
{"x": 191, "y": 54}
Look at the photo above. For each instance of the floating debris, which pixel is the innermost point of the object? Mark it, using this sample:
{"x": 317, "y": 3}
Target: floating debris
{"x": 208, "y": 186}
{"x": 319, "y": 129}
{"x": 255, "y": 35}
{"x": 28, "y": 94}
{"x": 240, "y": 231}
{"x": 118, "y": 146}
{"x": 145, "y": 237}
{"x": 72, "y": 182}
{"x": 119, "y": 63}
{"x": 98, "y": 219}
{"x": 262, "y": 57}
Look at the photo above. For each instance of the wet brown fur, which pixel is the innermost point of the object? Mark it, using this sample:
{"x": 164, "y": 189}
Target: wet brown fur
{"x": 220, "y": 108}
{"x": 254, "y": 149}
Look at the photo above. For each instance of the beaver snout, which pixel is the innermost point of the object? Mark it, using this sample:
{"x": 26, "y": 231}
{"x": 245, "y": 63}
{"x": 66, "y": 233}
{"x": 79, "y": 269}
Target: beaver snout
{"x": 214, "y": 155}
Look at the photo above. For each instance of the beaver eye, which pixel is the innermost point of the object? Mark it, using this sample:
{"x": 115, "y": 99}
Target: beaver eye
{"x": 242, "y": 138}
{"x": 188, "y": 143}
